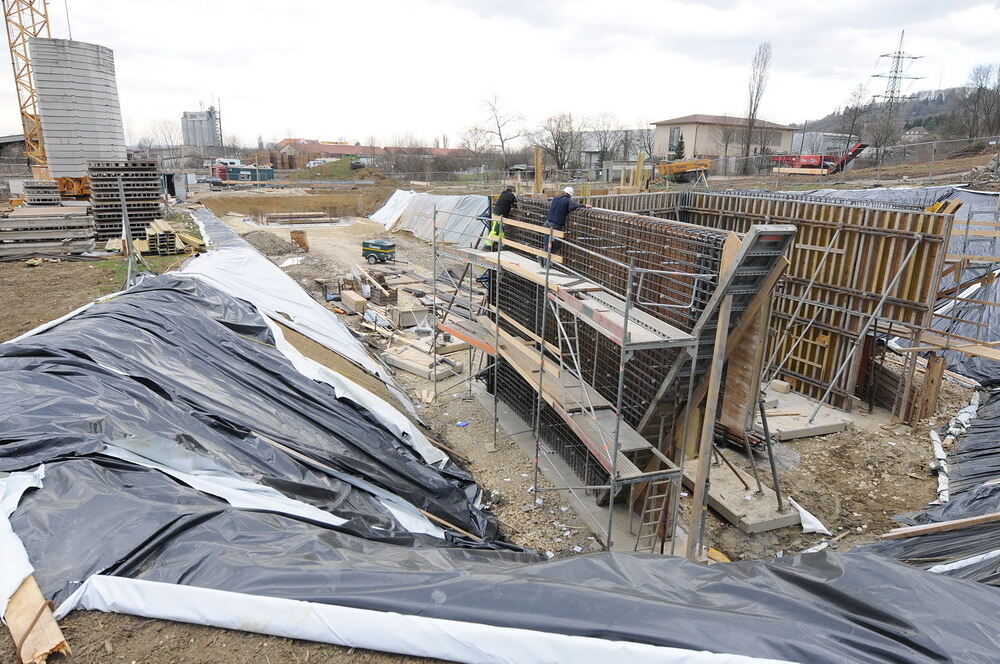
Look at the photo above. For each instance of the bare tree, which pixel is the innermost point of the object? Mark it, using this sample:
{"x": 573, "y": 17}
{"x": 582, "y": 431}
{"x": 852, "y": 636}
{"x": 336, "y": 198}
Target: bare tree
{"x": 726, "y": 134}
{"x": 608, "y": 135}
{"x": 166, "y": 136}
{"x": 759, "y": 67}
{"x": 560, "y": 137}
{"x": 647, "y": 143}
{"x": 477, "y": 142}
{"x": 501, "y": 127}
{"x": 980, "y": 106}
{"x": 853, "y": 116}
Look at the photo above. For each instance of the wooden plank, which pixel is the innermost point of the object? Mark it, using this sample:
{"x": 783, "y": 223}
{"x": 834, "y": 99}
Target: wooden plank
{"x": 541, "y": 230}
{"x": 552, "y": 348}
{"x": 32, "y": 624}
{"x": 977, "y": 258}
{"x": 556, "y": 258}
{"x": 419, "y": 364}
{"x": 565, "y": 391}
{"x": 708, "y": 429}
{"x": 927, "y": 403}
{"x": 940, "y": 527}
{"x": 471, "y": 333}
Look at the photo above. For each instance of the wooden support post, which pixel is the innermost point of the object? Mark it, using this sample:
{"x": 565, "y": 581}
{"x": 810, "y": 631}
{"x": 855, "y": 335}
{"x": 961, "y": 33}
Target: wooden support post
{"x": 32, "y": 627}
{"x": 539, "y": 172}
{"x": 700, "y": 498}
{"x": 933, "y": 373}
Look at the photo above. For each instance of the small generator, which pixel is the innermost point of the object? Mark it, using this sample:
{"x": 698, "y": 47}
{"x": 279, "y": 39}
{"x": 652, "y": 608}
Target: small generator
{"x": 378, "y": 251}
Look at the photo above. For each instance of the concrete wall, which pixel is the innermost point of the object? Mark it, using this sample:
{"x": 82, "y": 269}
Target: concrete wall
{"x": 78, "y": 104}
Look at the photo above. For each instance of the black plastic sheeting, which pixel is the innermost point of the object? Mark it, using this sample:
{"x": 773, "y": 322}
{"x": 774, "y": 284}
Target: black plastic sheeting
{"x": 177, "y": 359}
{"x": 179, "y": 362}
{"x": 973, "y": 321}
{"x": 976, "y": 457}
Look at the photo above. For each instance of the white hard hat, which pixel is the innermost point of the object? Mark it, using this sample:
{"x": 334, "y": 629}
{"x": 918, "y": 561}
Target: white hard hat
{"x": 568, "y": 190}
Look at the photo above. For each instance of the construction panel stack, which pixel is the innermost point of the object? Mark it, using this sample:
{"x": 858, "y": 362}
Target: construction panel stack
{"x": 41, "y": 192}
{"x": 46, "y": 230}
{"x": 143, "y": 193}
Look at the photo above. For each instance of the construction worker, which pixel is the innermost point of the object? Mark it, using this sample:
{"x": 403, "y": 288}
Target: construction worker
{"x": 506, "y": 202}
{"x": 560, "y": 208}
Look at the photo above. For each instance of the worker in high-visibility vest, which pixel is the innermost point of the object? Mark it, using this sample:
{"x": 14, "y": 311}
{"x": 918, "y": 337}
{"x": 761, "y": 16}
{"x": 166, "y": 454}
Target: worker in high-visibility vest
{"x": 506, "y": 202}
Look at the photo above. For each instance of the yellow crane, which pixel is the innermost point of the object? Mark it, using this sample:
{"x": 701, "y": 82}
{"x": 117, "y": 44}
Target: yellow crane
{"x": 26, "y": 19}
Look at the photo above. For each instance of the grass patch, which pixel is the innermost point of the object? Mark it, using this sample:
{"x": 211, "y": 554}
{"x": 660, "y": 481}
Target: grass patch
{"x": 334, "y": 170}
{"x": 338, "y": 170}
{"x": 117, "y": 266}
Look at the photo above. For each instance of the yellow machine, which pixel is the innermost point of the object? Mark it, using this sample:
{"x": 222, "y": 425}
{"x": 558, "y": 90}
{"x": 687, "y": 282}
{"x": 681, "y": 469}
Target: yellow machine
{"x": 685, "y": 169}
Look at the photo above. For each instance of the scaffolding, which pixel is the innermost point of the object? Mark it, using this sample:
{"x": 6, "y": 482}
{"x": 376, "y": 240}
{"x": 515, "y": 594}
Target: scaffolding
{"x": 564, "y": 342}
{"x": 555, "y": 370}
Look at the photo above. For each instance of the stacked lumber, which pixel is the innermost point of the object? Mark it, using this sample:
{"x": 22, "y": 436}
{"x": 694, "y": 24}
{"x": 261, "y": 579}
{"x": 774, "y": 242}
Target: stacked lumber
{"x": 159, "y": 238}
{"x": 49, "y": 229}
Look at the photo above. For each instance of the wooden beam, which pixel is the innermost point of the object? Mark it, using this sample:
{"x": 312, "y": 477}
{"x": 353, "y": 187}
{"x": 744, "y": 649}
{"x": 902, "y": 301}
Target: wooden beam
{"x": 556, "y": 258}
{"x": 927, "y": 403}
{"x": 541, "y": 230}
{"x": 708, "y": 430}
{"x": 940, "y": 527}
{"x": 539, "y": 172}
{"x": 32, "y": 626}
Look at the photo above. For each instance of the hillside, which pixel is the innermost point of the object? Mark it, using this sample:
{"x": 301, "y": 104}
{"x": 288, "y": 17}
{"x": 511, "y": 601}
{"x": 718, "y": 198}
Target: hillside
{"x": 938, "y": 111}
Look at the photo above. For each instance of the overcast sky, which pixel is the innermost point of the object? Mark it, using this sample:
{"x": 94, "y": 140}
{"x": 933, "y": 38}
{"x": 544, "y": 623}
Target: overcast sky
{"x": 387, "y": 68}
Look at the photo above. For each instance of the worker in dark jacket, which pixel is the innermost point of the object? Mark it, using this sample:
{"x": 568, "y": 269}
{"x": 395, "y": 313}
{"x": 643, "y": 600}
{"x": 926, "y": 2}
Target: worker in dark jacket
{"x": 560, "y": 208}
{"x": 506, "y": 202}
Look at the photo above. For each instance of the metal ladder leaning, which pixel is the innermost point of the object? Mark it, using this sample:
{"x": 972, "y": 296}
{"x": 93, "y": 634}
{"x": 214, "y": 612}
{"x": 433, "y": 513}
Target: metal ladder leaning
{"x": 652, "y": 520}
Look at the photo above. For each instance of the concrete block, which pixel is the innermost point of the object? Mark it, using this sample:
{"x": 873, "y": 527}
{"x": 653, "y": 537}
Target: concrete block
{"x": 780, "y": 386}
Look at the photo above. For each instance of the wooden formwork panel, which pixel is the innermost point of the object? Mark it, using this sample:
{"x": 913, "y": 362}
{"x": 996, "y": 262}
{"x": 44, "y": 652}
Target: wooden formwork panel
{"x": 851, "y": 255}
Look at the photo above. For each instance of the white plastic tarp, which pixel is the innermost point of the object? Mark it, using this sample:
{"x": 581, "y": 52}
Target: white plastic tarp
{"x": 459, "y": 218}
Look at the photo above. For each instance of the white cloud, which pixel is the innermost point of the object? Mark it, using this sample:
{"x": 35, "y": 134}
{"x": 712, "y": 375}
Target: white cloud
{"x": 337, "y": 69}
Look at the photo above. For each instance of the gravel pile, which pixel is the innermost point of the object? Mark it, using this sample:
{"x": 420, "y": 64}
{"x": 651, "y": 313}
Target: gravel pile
{"x": 270, "y": 244}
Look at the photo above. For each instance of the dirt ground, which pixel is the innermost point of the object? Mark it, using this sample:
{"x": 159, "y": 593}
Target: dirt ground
{"x": 362, "y": 200}
{"x": 30, "y": 296}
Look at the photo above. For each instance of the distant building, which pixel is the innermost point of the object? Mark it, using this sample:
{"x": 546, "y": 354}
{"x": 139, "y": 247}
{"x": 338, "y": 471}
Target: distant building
{"x": 309, "y": 147}
{"x": 716, "y": 135}
{"x": 916, "y": 135}
{"x": 12, "y": 149}
{"x": 822, "y": 142}
{"x": 202, "y": 129}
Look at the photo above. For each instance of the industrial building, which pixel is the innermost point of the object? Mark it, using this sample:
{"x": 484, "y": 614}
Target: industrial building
{"x": 202, "y": 129}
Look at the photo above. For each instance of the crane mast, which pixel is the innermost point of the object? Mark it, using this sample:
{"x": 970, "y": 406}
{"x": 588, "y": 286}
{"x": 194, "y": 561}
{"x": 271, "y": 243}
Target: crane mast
{"x": 26, "y": 19}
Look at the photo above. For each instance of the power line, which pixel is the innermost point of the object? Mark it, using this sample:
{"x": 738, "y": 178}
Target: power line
{"x": 892, "y": 97}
